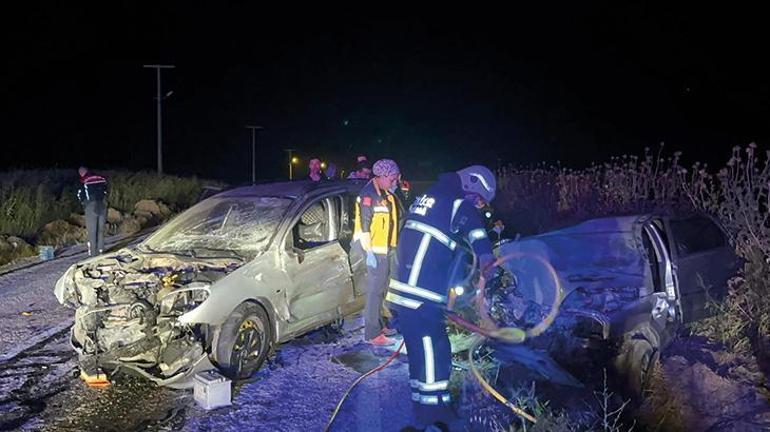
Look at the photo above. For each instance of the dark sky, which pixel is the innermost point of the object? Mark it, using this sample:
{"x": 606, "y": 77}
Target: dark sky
{"x": 431, "y": 90}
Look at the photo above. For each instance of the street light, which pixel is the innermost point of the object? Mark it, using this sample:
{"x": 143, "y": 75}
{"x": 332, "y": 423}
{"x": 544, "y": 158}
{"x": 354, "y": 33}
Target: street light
{"x": 160, "y": 121}
{"x": 254, "y": 130}
{"x": 292, "y": 161}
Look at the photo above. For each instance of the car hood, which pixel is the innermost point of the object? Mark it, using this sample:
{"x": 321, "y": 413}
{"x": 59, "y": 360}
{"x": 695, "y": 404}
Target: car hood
{"x": 600, "y": 254}
{"x": 129, "y": 275}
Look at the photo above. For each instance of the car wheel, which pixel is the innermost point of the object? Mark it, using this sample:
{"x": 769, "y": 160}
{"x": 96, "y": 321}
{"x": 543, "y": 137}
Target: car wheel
{"x": 242, "y": 343}
{"x": 639, "y": 361}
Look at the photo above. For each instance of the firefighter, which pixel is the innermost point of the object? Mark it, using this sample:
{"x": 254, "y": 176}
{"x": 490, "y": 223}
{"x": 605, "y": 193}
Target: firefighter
{"x": 376, "y": 230}
{"x": 92, "y": 194}
{"x": 437, "y": 222}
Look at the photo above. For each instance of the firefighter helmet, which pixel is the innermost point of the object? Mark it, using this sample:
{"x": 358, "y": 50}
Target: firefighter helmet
{"x": 479, "y": 180}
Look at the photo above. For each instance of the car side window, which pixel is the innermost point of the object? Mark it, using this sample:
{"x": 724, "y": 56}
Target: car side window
{"x": 318, "y": 225}
{"x": 696, "y": 234}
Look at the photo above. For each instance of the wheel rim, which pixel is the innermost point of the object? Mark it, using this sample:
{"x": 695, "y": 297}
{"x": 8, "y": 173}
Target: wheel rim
{"x": 248, "y": 344}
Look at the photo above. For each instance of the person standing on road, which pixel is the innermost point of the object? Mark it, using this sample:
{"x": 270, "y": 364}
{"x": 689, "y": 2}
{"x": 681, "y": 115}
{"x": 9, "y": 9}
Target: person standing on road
{"x": 437, "y": 222}
{"x": 92, "y": 194}
{"x": 376, "y": 230}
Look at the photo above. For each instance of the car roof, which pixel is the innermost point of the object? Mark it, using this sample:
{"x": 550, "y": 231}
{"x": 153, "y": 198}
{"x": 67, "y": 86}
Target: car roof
{"x": 291, "y": 189}
{"x": 601, "y": 225}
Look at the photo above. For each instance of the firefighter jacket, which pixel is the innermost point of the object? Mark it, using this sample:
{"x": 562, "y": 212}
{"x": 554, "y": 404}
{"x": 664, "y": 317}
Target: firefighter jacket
{"x": 437, "y": 221}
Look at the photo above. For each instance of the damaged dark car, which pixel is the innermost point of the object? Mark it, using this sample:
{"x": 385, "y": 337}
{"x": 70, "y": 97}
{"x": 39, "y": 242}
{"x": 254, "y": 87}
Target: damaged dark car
{"x": 623, "y": 285}
{"x": 220, "y": 285}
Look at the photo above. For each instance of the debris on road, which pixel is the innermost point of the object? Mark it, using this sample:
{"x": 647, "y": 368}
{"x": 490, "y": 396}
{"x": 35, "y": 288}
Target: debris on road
{"x": 212, "y": 390}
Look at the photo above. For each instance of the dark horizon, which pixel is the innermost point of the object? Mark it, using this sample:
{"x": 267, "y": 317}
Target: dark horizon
{"x": 434, "y": 94}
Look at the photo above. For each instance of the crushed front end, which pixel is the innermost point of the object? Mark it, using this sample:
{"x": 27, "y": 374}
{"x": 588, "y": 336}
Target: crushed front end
{"x": 127, "y": 309}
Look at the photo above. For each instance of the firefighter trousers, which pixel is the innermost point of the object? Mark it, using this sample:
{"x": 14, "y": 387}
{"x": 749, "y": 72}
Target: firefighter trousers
{"x": 430, "y": 362}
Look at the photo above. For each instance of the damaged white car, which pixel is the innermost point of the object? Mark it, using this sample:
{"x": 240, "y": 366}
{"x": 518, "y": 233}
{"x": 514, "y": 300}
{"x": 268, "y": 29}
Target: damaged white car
{"x": 220, "y": 284}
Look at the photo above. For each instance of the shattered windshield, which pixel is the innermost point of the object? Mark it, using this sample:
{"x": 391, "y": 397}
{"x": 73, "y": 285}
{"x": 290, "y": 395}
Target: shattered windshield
{"x": 228, "y": 226}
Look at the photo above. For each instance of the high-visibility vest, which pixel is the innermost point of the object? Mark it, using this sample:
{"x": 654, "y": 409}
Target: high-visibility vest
{"x": 379, "y": 208}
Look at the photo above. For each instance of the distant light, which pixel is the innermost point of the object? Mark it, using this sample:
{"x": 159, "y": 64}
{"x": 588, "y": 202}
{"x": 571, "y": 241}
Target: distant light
{"x": 459, "y": 290}
{"x": 294, "y": 159}
{"x": 345, "y": 123}
{"x": 323, "y": 165}
{"x": 488, "y": 214}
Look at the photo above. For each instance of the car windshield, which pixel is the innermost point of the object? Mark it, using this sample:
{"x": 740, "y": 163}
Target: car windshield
{"x": 228, "y": 226}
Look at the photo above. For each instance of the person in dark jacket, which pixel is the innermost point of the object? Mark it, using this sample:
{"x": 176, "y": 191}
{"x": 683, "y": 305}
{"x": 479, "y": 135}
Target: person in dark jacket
{"x": 362, "y": 170}
{"x": 437, "y": 222}
{"x": 92, "y": 194}
{"x": 401, "y": 201}
{"x": 331, "y": 171}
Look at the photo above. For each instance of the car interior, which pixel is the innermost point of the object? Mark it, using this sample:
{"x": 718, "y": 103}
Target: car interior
{"x": 318, "y": 225}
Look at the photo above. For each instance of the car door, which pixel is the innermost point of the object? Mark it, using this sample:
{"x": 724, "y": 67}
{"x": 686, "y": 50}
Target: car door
{"x": 662, "y": 270}
{"x": 703, "y": 262}
{"x": 315, "y": 262}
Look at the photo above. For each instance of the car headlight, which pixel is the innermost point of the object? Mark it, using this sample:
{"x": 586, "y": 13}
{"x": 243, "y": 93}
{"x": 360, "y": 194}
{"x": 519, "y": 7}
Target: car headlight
{"x": 185, "y": 299}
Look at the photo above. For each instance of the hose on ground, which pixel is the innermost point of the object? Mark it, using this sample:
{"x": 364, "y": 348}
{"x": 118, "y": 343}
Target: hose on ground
{"x": 358, "y": 381}
{"x": 488, "y": 330}
{"x": 491, "y": 390}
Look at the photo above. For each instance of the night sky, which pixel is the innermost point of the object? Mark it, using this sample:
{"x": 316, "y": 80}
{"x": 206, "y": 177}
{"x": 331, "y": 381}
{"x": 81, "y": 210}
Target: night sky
{"x": 430, "y": 90}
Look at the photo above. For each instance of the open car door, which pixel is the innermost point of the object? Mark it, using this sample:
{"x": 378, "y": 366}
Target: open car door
{"x": 703, "y": 262}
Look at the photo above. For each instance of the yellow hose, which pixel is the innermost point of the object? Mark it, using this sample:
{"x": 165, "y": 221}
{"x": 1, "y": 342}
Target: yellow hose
{"x": 491, "y": 390}
{"x": 511, "y": 334}
{"x": 505, "y": 334}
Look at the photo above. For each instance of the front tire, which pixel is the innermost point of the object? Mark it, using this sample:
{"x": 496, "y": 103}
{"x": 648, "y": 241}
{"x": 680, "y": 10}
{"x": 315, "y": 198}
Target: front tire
{"x": 241, "y": 344}
{"x": 636, "y": 364}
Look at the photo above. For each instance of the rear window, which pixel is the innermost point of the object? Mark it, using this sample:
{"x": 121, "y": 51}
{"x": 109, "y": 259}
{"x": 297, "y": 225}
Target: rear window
{"x": 696, "y": 234}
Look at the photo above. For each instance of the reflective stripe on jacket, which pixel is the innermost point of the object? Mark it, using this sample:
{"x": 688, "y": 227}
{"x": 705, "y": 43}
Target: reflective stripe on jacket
{"x": 436, "y": 222}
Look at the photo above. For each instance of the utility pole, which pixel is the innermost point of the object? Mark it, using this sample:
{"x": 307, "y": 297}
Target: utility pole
{"x": 291, "y": 163}
{"x": 160, "y": 120}
{"x": 254, "y": 130}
